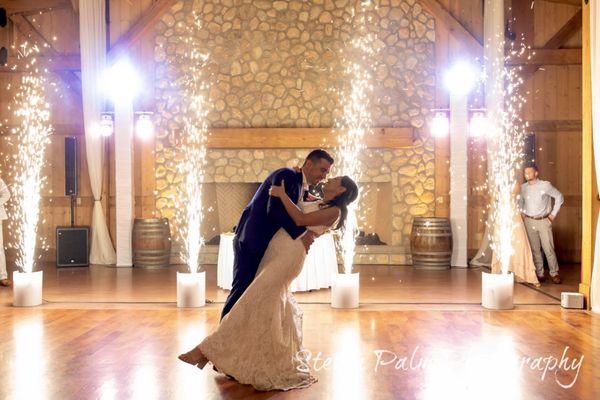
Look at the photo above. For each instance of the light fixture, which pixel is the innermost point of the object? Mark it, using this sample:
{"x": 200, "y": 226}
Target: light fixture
{"x": 461, "y": 78}
{"x": 439, "y": 125}
{"x": 480, "y": 125}
{"x": 107, "y": 125}
{"x": 122, "y": 81}
{"x": 144, "y": 127}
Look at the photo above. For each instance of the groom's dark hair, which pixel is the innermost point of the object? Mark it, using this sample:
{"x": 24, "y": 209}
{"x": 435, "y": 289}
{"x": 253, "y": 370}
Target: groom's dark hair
{"x": 317, "y": 154}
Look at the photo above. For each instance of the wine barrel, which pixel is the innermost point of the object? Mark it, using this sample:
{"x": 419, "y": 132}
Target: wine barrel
{"x": 431, "y": 243}
{"x": 151, "y": 242}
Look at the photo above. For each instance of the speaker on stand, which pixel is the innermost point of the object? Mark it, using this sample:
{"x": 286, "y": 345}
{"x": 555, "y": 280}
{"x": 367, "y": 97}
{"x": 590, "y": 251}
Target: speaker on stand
{"x": 72, "y": 242}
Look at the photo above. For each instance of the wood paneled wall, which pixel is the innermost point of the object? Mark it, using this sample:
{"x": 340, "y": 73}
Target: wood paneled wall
{"x": 553, "y": 93}
{"x": 556, "y": 95}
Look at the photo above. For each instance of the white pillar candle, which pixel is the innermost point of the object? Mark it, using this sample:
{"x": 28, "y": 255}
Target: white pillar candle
{"x": 27, "y": 289}
{"x": 191, "y": 289}
{"x": 497, "y": 291}
{"x": 344, "y": 291}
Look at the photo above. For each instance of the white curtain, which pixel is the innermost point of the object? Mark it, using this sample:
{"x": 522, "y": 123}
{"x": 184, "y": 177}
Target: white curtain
{"x": 595, "y": 66}
{"x": 92, "y": 36}
{"x": 493, "y": 56}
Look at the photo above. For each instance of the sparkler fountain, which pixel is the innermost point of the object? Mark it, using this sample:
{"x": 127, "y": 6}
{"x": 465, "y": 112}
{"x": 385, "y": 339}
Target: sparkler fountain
{"x": 356, "y": 120}
{"x": 32, "y": 135}
{"x": 189, "y": 213}
{"x": 505, "y": 154}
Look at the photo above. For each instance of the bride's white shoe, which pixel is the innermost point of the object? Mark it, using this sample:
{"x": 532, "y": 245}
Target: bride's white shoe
{"x": 193, "y": 359}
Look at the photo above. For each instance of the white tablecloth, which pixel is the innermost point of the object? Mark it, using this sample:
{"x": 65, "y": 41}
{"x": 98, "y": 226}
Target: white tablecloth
{"x": 320, "y": 264}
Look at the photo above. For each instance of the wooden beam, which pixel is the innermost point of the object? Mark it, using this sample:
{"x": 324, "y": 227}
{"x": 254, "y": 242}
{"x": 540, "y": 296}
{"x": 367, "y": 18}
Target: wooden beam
{"x": 470, "y": 43}
{"x": 560, "y": 125}
{"x": 442, "y": 144}
{"x": 68, "y": 62}
{"x": 59, "y": 129}
{"x": 139, "y": 28}
{"x": 539, "y": 57}
{"x": 523, "y": 22}
{"x": 571, "y": 2}
{"x": 556, "y": 41}
{"x": 300, "y": 138}
{"x": 589, "y": 193}
{"x": 75, "y": 6}
{"x": 565, "y": 32}
{"x": 30, "y": 31}
{"x": 29, "y": 6}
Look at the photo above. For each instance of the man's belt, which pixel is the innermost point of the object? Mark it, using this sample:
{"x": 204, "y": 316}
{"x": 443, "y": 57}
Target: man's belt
{"x": 537, "y": 218}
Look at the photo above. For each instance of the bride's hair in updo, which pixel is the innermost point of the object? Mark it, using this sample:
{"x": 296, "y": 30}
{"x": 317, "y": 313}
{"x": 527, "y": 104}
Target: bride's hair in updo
{"x": 343, "y": 199}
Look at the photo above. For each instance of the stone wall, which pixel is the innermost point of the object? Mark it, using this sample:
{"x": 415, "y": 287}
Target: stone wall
{"x": 277, "y": 64}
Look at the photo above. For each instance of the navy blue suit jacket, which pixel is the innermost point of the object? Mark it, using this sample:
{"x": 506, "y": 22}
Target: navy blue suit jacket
{"x": 264, "y": 215}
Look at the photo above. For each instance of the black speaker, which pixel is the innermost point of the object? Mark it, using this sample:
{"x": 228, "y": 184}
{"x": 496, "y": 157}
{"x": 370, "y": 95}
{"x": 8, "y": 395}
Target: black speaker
{"x": 70, "y": 166}
{"x": 3, "y": 56}
{"x": 72, "y": 246}
{"x": 3, "y": 18}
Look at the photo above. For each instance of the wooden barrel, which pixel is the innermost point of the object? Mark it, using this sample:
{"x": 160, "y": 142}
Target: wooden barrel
{"x": 151, "y": 242}
{"x": 431, "y": 243}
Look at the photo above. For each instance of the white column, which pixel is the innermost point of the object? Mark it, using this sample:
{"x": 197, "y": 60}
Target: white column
{"x": 124, "y": 180}
{"x": 459, "y": 120}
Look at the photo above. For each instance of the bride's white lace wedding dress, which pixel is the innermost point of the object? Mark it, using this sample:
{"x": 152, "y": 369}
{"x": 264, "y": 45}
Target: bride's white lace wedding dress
{"x": 258, "y": 341}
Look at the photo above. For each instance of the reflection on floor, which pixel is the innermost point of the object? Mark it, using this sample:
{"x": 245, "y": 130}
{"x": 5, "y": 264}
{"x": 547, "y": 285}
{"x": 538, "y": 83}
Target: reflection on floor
{"x": 379, "y": 285}
{"x": 424, "y": 354}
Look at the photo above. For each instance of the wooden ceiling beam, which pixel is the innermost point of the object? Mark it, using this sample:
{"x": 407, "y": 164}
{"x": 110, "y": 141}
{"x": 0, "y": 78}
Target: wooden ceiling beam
{"x": 68, "y": 62}
{"x": 75, "y": 6}
{"x": 571, "y": 2}
{"x": 471, "y": 44}
{"x": 32, "y": 6}
{"x": 28, "y": 30}
{"x": 562, "y": 125}
{"x": 540, "y": 57}
{"x": 556, "y": 41}
{"x": 139, "y": 28}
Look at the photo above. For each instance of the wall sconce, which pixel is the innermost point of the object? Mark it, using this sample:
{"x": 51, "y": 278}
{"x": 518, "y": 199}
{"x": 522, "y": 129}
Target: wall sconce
{"x": 107, "y": 124}
{"x": 479, "y": 124}
{"x": 144, "y": 126}
{"x": 440, "y": 124}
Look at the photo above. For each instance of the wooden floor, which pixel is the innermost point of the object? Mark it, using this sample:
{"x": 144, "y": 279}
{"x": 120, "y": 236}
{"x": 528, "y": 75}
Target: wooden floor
{"x": 109, "y": 333}
{"x": 131, "y": 354}
{"x": 379, "y": 285}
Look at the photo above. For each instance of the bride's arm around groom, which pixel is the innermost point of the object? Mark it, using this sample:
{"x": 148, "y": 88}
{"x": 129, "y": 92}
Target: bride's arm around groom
{"x": 277, "y": 212}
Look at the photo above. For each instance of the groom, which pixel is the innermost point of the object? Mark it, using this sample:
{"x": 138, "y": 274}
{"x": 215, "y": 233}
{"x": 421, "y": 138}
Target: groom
{"x": 263, "y": 217}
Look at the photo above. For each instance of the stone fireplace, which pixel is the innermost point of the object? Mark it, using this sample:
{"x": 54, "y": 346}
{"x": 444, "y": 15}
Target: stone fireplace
{"x": 273, "y": 64}
{"x": 396, "y": 186}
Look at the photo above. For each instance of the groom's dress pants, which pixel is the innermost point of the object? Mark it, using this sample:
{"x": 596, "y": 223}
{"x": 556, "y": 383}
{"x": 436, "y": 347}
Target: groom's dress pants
{"x": 245, "y": 265}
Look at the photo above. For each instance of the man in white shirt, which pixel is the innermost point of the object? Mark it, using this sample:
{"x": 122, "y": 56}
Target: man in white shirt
{"x": 4, "y": 197}
{"x": 538, "y": 213}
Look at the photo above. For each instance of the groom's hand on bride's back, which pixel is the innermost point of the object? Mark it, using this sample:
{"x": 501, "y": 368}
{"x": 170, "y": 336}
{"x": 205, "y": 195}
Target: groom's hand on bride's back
{"x": 307, "y": 239}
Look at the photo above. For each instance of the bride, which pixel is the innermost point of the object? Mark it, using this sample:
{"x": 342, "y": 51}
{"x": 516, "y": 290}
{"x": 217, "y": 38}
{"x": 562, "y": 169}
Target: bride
{"x": 258, "y": 341}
